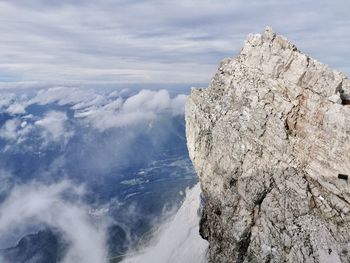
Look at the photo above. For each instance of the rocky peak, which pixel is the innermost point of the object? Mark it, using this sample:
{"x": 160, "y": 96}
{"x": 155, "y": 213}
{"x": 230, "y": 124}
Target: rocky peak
{"x": 269, "y": 139}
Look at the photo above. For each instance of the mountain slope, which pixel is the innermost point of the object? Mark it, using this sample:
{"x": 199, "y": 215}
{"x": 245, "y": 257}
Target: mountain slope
{"x": 269, "y": 139}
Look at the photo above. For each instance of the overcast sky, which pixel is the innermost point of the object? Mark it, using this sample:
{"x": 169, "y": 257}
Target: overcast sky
{"x": 134, "y": 41}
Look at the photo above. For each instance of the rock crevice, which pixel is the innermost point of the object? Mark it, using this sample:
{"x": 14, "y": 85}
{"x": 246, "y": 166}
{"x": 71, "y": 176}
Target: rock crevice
{"x": 269, "y": 139}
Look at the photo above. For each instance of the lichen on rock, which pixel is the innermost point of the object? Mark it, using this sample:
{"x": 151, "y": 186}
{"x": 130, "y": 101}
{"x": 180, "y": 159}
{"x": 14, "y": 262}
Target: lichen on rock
{"x": 269, "y": 139}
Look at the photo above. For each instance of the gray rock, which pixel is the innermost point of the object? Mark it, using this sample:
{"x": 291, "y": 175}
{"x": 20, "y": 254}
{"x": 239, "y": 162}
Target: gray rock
{"x": 269, "y": 139}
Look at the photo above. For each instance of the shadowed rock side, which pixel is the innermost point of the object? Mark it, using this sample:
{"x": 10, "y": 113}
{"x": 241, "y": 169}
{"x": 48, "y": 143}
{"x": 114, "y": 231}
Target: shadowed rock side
{"x": 269, "y": 139}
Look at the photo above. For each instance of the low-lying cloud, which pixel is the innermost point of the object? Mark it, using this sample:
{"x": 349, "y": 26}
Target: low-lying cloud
{"x": 15, "y": 131}
{"x": 54, "y": 127}
{"x": 142, "y": 107}
{"x": 97, "y": 110}
{"x": 44, "y": 204}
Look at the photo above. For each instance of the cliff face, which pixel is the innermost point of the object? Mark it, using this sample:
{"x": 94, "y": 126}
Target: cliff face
{"x": 269, "y": 139}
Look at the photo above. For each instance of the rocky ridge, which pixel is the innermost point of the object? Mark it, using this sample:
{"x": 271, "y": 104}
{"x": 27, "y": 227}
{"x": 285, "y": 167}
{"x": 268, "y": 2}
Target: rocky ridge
{"x": 269, "y": 139}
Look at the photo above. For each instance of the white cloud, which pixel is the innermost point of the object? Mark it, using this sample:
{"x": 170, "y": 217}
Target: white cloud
{"x": 66, "y": 96}
{"x": 5, "y": 181}
{"x": 148, "y": 100}
{"x": 9, "y": 130}
{"x": 16, "y": 108}
{"x": 178, "y": 239}
{"x": 10, "y": 103}
{"x": 104, "y": 119}
{"x": 43, "y": 204}
{"x": 14, "y": 131}
{"x": 143, "y": 107}
{"x": 178, "y": 104}
{"x": 6, "y": 100}
{"x": 54, "y": 128}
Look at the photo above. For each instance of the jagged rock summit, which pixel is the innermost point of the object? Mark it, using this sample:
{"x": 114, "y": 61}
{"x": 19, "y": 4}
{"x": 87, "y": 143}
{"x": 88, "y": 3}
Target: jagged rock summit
{"x": 270, "y": 142}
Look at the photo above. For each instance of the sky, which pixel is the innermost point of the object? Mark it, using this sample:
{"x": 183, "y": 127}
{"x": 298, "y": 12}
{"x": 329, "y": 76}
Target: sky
{"x": 67, "y": 42}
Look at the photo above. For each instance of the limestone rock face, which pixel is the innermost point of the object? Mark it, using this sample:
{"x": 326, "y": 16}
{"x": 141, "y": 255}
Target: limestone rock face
{"x": 270, "y": 142}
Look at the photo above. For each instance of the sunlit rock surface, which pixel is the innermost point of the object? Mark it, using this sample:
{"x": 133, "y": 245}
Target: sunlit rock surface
{"x": 269, "y": 139}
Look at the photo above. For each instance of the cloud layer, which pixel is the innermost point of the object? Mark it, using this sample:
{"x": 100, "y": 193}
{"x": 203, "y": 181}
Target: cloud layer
{"x": 102, "y": 111}
{"x": 80, "y": 42}
{"x": 53, "y": 127}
